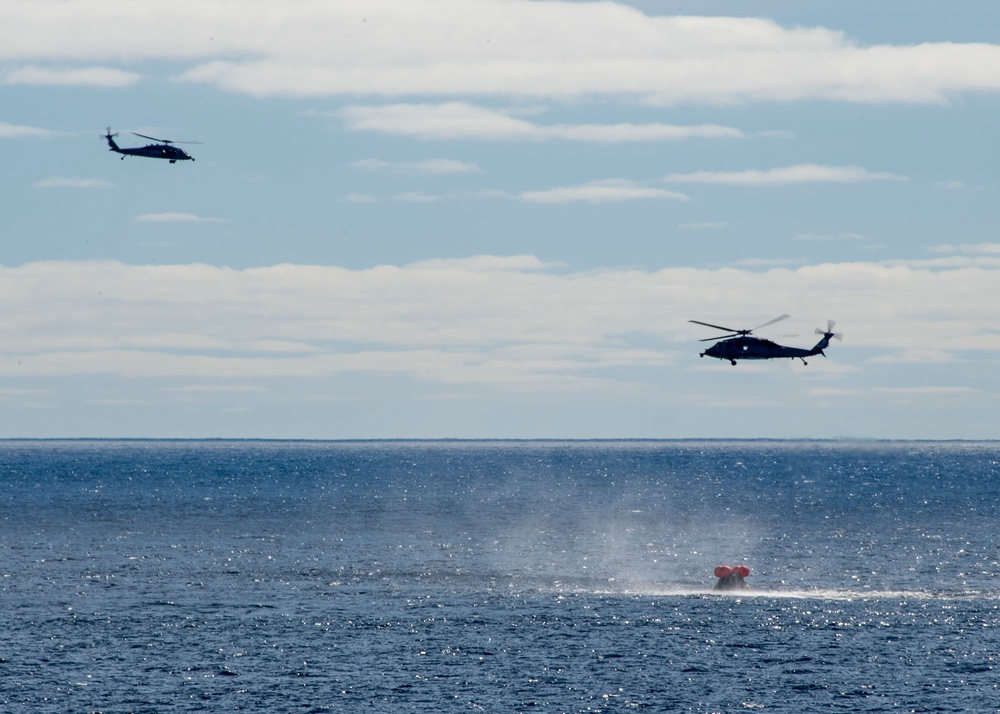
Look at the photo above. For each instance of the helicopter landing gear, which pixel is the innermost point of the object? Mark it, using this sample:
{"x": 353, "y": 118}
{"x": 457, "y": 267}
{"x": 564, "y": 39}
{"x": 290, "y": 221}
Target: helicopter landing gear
{"x": 732, "y": 362}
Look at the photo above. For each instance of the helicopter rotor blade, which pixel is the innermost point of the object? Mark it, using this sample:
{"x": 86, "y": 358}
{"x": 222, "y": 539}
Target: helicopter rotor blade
{"x": 734, "y": 332}
{"x": 771, "y": 322}
{"x": 165, "y": 141}
{"x": 720, "y": 337}
{"x": 153, "y": 138}
{"x": 717, "y": 327}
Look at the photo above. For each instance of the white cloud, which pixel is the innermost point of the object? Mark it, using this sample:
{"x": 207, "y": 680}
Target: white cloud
{"x": 69, "y": 76}
{"x": 803, "y": 173}
{"x": 175, "y": 217}
{"x": 16, "y": 131}
{"x": 420, "y": 197}
{"x": 924, "y": 391}
{"x": 524, "y": 48}
{"x": 967, "y": 248}
{"x": 703, "y": 225}
{"x": 432, "y": 167}
{"x": 511, "y": 320}
{"x": 596, "y": 192}
{"x": 71, "y": 182}
{"x": 916, "y": 356}
{"x": 607, "y": 191}
{"x": 459, "y": 120}
{"x": 7, "y": 392}
{"x": 768, "y": 262}
{"x": 512, "y": 332}
{"x": 359, "y": 198}
{"x": 618, "y": 190}
{"x": 826, "y": 237}
{"x": 485, "y": 263}
{"x": 215, "y": 388}
{"x": 952, "y": 262}
{"x": 903, "y": 393}
{"x": 453, "y": 120}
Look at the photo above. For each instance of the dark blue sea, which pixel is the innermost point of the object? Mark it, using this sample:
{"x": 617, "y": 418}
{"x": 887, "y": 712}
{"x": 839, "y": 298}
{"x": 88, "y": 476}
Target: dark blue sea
{"x": 148, "y": 576}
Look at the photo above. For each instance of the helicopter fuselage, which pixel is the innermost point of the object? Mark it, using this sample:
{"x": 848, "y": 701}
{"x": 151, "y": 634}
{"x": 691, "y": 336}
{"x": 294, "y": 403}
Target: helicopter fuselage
{"x": 746, "y": 347}
{"x": 163, "y": 150}
{"x": 156, "y": 151}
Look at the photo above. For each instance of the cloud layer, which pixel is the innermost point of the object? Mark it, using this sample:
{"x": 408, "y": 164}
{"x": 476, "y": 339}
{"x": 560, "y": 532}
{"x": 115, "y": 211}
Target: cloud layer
{"x": 463, "y": 121}
{"x": 71, "y": 182}
{"x": 175, "y": 217}
{"x": 68, "y": 77}
{"x": 803, "y": 173}
{"x": 607, "y": 191}
{"x": 487, "y": 319}
{"x": 17, "y": 131}
{"x": 429, "y": 167}
{"x": 478, "y": 48}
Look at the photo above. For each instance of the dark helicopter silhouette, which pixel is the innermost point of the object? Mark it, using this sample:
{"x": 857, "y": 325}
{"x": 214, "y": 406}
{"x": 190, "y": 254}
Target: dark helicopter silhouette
{"x": 741, "y": 345}
{"x": 164, "y": 149}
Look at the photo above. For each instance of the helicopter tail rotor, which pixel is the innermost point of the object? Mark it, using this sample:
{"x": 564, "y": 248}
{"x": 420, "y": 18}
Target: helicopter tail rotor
{"x": 110, "y": 138}
{"x": 829, "y": 331}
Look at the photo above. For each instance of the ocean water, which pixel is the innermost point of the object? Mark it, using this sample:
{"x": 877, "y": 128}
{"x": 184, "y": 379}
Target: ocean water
{"x": 151, "y": 576}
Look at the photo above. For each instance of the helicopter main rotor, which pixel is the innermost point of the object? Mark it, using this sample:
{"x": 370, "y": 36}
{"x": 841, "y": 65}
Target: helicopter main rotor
{"x": 734, "y": 332}
{"x": 164, "y": 141}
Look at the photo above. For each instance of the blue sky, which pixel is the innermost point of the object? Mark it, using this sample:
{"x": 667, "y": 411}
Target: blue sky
{"x": 494, "y": 218}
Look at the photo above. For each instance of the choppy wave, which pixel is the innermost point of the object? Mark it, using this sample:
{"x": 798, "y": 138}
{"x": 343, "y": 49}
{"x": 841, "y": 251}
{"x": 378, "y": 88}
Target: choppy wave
{"x": 431, "y": 577}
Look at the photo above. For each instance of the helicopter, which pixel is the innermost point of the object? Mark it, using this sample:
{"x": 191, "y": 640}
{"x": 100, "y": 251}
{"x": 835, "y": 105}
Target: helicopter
{"x": 740, "y": 344}
{"x": 163, "y": 149}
